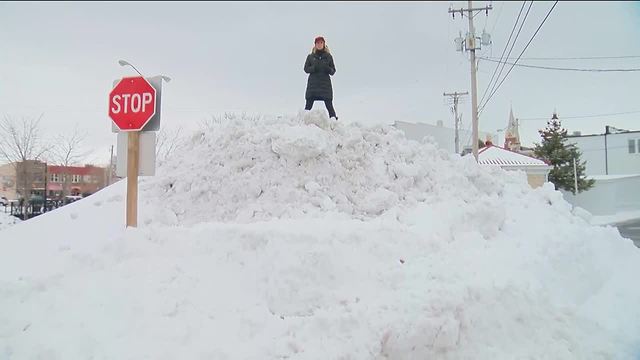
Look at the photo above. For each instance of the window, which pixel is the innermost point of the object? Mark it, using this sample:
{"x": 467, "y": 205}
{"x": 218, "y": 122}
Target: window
{"x": 75, "y": 179}
{"x": 55, "y": 178}
{"x": 632, "y": 146}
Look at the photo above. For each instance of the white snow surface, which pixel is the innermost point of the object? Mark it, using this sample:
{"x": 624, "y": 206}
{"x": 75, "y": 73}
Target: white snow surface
{"x": 6, "y": 219}
{"x": 305, "y": 239}
{"x": 620, "y": 217}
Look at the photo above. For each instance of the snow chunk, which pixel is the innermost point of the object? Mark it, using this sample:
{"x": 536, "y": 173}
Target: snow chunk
{"x": 297, "y": 143}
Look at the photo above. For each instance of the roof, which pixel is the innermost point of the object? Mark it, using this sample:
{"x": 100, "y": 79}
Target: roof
{"x": 496, "y": 155}
{"x": 609, "y": 134}
{"x": 73, "y": 170}
{"x": 612, "y": 177}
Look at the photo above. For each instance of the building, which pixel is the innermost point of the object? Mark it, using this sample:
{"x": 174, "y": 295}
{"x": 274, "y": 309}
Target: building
{"x": 537, "y": 171}
{"x": 615, "y": 152}
{"x": 36, "y": 176}
{"x": 443, "y": 136}
{"x": 30, "y": 177}
{"x": 8, "y": 181}
{"x": 76, "y": 180}
{"x": 610, "y": 195}
{"x": 512, "y": 137}
{"x": 613, "y": 161}
{"x": 512, "y": 134}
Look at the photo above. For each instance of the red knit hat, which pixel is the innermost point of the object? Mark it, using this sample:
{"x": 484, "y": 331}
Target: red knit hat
{"x": 319, "y": 38}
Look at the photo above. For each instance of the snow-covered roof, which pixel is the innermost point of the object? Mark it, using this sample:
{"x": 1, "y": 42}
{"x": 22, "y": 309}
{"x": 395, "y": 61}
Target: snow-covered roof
{"x": 611, "y": 177}
{"x": 495, "y": 155}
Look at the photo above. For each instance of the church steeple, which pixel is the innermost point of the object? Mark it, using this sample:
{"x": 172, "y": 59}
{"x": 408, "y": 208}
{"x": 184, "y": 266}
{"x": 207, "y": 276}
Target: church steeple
{"x": 512, "y": 135}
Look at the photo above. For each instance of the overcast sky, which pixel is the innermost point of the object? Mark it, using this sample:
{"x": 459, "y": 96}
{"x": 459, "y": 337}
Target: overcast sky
{"x": 393, "y": 59}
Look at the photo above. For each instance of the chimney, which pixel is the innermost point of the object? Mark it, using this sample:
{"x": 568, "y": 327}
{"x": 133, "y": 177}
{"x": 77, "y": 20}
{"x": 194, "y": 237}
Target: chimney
{"x": 488, "y": 142}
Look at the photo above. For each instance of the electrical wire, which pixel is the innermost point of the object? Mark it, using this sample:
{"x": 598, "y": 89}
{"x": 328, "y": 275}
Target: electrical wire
{"x": 513, "y": 29}
{"x": 519, "y": 56}
{"x": 585, "y": 116}
{"x": 511, "y": 49}
{"x": 576, "y": 58}
{"x": 560, "y": 68}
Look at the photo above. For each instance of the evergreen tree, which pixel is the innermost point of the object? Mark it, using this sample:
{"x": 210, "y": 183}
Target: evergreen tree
{"x": 555, "y": 150}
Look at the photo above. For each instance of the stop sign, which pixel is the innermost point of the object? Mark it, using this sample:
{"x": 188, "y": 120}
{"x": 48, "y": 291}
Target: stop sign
{"x": 132, "y": 103}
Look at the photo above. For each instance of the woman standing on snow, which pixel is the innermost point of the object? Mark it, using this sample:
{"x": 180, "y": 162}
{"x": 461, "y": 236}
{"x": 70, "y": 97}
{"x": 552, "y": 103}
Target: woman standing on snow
{"x": 320, "y": 67}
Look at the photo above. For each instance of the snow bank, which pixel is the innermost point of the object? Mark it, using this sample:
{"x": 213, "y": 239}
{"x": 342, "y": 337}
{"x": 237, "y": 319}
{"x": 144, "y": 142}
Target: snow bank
{"x": 245, "y": 172}
{"x": 621, "y": 217}
{"x": 292, "y": 240}
{"x": 7, "y": 220}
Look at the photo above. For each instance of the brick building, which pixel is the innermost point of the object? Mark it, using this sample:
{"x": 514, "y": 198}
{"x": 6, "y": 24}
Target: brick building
{"x": 8, "y": 181}
{"x": 76, "y": 180}
{"x": 36, "y": 176}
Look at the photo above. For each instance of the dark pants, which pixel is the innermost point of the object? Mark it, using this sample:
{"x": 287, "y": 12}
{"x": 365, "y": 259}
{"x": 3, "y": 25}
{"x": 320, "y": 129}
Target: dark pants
{"x": 327, "y": 103}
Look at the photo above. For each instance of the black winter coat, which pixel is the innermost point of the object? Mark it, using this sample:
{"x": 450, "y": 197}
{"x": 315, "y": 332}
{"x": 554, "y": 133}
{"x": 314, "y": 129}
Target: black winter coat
{"x": 319, "y": 66}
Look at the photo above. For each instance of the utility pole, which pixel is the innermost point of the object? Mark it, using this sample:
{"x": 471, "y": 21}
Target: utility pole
{"x": 45, "y": 187}
{"x": 606, "y": 151}
{"x": 575, "y": 176}
{"x": 470, "y": 45}
{"x": 456, "y": 96}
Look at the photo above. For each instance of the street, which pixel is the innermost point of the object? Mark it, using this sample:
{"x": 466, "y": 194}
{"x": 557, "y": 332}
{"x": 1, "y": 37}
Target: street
{"x": 631, "y": 230}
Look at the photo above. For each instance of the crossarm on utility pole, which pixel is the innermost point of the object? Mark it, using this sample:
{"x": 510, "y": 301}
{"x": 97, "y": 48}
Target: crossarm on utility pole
{"x": 462, "y": 11}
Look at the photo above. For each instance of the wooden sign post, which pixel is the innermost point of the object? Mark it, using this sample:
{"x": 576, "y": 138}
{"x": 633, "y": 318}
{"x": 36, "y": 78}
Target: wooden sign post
{"x": 133, "y": 160}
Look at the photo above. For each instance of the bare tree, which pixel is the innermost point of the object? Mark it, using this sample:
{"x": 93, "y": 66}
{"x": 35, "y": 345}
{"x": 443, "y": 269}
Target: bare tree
{"x": 167, "y": 143}
{"x": 22, "y": 146}
{"x": 66, "y": 151}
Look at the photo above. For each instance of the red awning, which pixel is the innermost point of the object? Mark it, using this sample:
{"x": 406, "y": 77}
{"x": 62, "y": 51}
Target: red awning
{"x": 54, "y": 187}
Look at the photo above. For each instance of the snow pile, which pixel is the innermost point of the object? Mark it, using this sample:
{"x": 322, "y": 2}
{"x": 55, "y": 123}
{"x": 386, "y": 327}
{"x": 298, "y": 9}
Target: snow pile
{"x": 239, "y": 171}
{"x": 371, "y": 247}
{"x": 7, "y": 220}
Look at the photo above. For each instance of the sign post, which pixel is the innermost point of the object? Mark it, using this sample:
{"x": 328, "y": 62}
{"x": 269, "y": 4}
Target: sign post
{"x": 133, "y": 154}
{"x": 132, "y": 103}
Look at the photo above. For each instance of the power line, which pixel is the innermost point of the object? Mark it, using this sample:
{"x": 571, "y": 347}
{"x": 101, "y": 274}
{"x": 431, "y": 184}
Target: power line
{"x": 513, "y": 44}
{"x": 513, "y": 29}
{"x": 585, "y": 116}
{"x": 559, "y": 68}
{"x": 519, "y": 56}
{"x": 575, "y": 58}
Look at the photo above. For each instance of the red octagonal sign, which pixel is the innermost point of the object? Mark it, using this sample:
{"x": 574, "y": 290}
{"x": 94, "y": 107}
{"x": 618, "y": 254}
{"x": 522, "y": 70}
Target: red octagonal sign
{"x": 132, "y": 103}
